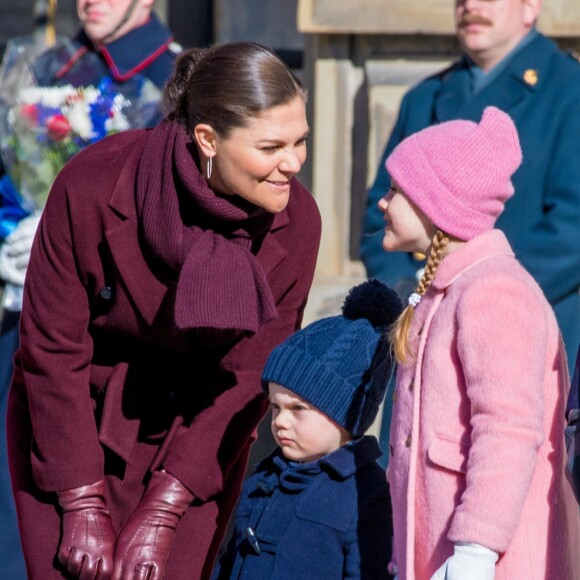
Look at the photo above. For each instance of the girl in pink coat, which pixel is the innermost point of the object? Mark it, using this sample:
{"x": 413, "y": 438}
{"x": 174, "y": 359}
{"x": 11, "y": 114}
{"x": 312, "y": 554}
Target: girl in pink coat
{"x": 477, "y": 455}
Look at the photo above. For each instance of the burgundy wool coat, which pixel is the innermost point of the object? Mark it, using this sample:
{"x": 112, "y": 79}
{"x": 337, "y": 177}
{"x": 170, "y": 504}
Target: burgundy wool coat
{"x": 104, "y": 386}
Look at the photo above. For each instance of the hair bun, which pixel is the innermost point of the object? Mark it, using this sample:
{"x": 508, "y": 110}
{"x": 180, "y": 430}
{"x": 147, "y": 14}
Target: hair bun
{"x": 373, "y": 300}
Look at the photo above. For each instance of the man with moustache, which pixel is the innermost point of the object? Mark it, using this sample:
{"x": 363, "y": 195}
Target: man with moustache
{"x": 125, "y": 41}
{"x": 509, "y": 64}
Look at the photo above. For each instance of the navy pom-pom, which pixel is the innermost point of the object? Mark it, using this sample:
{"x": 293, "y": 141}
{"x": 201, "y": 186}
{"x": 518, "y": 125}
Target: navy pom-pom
{"x": 373, "y": 300}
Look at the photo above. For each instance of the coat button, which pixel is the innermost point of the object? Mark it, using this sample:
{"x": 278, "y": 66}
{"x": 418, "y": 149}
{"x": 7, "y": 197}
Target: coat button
{"x": 408, "y": 441}
{"x": 391, "y": 450}
{"x": 106, "y": 293}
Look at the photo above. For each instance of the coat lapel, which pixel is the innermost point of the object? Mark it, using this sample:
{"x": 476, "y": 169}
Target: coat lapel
{"x": 432, "y": 303}
{"x": 143, "y": 288}
{"x": 453, "y": 94}
{"x": 122, "y": 235}
{"x": 505, "y": 93}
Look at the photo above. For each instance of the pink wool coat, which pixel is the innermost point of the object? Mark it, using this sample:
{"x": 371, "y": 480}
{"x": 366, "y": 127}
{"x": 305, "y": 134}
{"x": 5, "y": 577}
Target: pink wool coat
{"x": 477, "y": 448}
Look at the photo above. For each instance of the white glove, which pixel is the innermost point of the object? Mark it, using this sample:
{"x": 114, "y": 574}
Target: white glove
{"x": 471, "y": 561}
{"x": 15, "y": 251}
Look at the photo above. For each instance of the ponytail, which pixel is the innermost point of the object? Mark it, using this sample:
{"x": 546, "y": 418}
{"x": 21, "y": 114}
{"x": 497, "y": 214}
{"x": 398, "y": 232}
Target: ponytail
{"x": 175, "y": 93}
{"x": 399, "y": 333}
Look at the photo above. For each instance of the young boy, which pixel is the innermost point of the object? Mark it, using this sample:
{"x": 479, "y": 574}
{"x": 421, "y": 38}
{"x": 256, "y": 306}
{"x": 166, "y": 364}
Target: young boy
{"x": 318, "y": 506}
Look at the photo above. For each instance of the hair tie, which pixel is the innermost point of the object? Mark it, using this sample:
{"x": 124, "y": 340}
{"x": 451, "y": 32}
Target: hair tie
{"x": 414, "y": 299}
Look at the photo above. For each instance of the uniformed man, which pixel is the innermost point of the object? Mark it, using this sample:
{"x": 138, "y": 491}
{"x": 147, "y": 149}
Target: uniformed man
{"x": 127, "y": 38}
{"x": 120, "y": 39}
{"x": 509, "y": 64}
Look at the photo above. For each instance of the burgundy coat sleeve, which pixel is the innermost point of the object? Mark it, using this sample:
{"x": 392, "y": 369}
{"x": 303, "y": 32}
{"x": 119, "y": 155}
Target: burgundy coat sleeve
{"x": 55, "y": 354}
{"x": 220, "y": 433}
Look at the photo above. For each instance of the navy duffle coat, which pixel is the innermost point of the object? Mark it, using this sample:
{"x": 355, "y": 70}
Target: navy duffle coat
{"x": 328, "y": 519}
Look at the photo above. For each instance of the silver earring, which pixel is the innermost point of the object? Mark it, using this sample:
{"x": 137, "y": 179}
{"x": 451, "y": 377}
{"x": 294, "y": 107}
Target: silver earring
{"x": 209, "y": 167}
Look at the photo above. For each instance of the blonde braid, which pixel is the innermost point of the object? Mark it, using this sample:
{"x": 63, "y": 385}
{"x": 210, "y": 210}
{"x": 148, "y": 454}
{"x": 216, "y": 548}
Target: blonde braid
{"x": 399, "y": 333}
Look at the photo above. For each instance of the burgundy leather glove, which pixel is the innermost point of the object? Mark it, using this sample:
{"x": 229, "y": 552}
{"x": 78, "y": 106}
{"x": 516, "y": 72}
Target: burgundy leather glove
{"x": 146, "y": 537}
{"x": 87, "y": 546}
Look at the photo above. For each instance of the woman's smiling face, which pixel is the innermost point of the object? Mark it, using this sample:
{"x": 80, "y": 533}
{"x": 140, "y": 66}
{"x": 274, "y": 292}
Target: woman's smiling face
{"x": 258, "y": 161}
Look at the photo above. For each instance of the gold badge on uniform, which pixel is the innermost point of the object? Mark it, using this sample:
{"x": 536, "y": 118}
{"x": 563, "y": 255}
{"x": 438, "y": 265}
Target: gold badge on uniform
{"x": 531, "y": 77}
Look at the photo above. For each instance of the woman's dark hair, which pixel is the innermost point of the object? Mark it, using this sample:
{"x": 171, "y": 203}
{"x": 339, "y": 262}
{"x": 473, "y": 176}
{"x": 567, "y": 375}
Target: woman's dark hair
{"x": 227, "y": 84}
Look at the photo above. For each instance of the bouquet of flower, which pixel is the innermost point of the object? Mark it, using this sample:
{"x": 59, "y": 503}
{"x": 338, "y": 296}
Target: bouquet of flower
{"x": 49, "y": 125}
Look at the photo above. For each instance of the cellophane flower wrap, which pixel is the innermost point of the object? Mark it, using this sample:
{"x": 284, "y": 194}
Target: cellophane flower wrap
{"x": 41, "y": 128}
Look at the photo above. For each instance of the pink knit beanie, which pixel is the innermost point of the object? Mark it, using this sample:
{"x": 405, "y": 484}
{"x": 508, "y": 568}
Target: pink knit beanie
{"x": 459, "y": 172}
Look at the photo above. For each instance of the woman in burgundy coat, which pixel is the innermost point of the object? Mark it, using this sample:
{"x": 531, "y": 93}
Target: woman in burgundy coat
{"x": 167, "y": 264}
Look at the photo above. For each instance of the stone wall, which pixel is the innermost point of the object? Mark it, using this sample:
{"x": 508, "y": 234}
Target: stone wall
{"x": 558, "y": 17}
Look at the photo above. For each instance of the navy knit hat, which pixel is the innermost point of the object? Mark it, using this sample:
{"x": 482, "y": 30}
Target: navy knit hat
{"x": 342, "y": 364}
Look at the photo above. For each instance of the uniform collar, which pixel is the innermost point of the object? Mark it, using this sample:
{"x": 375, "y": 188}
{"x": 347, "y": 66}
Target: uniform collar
{"x": 526, "y": 71}
{"x": 534, "y": 57}
{"x": 134, "y": 51}
{"x": 480, "y": 79}
{"x": 487, "y": 245}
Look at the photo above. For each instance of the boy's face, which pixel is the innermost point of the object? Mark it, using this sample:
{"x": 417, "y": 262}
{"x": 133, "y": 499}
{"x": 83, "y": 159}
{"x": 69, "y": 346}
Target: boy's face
{"x": 303, "y": 432}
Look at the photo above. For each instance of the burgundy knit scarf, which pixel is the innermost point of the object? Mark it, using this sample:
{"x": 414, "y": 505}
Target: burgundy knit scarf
{"x": 204, "y": 240}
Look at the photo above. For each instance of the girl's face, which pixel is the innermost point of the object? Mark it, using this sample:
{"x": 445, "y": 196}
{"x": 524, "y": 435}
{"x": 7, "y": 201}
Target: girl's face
{"x": 408, "y": 229}
{"x": 258, "y": 161}
{"x": 302, "y": 432}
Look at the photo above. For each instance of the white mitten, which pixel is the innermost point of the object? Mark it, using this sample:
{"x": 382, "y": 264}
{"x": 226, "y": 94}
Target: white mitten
{"x": 469, "y": 560}
{"x": 15, "y": 251}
